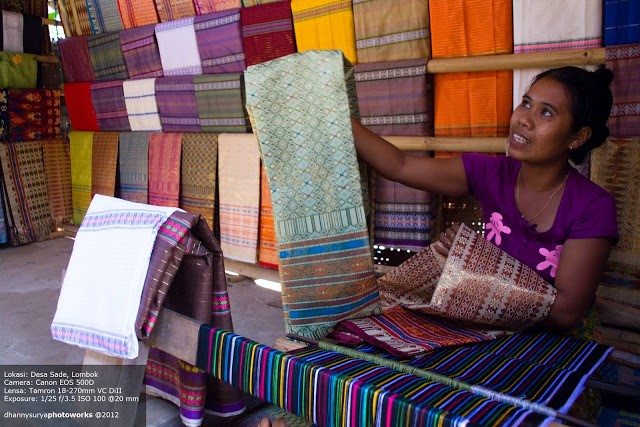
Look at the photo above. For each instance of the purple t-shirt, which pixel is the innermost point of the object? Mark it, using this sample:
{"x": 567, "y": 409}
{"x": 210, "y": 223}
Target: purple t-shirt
{"x": 586, "y": 211}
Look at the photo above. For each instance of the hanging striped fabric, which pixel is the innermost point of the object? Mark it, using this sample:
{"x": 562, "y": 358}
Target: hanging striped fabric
{"x": 109, "y": 105}
{"x": 219, "y": 37}
{"x": 219, "y": 103}
{"x": 176, "y": 99}
{"x": 164, "y": 168}
{"x": 267, "y": 31}
{"x": 133, "y": 164}
{"x": 106, "y": 57}
{"x": 104, "y": 161}
{"x": 81, "y": 144}
{"x": 141, "y": 53}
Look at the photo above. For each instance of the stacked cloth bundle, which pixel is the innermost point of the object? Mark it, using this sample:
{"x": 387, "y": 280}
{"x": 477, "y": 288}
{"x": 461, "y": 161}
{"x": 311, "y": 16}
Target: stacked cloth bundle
{"x": 171, "y": 260}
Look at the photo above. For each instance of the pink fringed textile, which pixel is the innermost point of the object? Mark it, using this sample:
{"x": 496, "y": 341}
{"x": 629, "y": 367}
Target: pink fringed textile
{"x": 164, "y": 168}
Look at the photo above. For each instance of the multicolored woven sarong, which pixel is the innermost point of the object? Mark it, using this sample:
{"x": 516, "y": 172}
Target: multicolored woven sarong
{"x": 76, "y": 62}
{"x": 198, "y": 175}
{"x": 78, "y": 17}
{"x": 176, "y": 99}
{"x": 328, "y": 388}
{"x": 172, "y": 10}
{"x": 34, "y": 114}
{"x": 471, "y": 104}
{"x": 178, "y": 48}
{"x": 219, "y": 101}
{"x": 395, "y": 97}
{"x": 579, "y": 30}
{"x": 267, "y": 31}
{"x": 18, "y": 70}
{"x": 57, "y": 167}
{"x": 407, "y": 333}
{"x": 324, "y": 24}
{"x": 210, "y": 6}
{"x": 77, "y": 97}
{"x": 142, "y": 108}
{"x": 388, "y": 30}
{"x": 109, "y": 105}
{"x": 101, "y": 291}
{"x": 614, "y": 168}
{"x": 621, "y": 22}
{"x": 25, "y": 183}
{"x": 4, "y": 114}
{"x": 300, "y": 111}
{"x": 267, "y": 246}
{"x": 141, "y": 53}
{"x": 81, "y": 144}
{"x": 164, "y": 168}
{"x": 104, "y": 155}
{"x": 106, "y": 56}
{"x": 239, "y": 196}
{"x": 133, "y": 163}
{"x": 104, "y": 16}
{"x": 137, "y": 13}
{"x": 625, "y": 114}
{"x": 186, "y": 274}
{"x": 219, "y": 37}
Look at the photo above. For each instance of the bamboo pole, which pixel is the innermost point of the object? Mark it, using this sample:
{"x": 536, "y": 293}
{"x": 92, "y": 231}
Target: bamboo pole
{"x": 454, "y": 144}
{"x": 517, "y": 61}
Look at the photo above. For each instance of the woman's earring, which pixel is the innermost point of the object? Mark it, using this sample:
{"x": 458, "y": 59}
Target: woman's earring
{"x": 570, "y": 146}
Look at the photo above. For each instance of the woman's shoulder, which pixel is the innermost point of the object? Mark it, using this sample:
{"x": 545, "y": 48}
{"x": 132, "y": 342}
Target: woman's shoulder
{"x": 588, "y": 190}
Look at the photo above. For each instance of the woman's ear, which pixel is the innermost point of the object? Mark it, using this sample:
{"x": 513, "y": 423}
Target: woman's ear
{"x": 581, "y": 136}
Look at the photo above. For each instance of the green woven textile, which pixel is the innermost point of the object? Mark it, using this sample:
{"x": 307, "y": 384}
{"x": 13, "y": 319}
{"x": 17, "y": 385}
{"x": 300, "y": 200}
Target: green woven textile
{"x": 300, "y": 111}
{"x": 18, "y": 70}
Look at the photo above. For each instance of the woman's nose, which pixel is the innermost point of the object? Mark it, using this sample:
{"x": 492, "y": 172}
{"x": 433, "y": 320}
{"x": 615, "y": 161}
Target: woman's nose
{"x": 524, "y": 118}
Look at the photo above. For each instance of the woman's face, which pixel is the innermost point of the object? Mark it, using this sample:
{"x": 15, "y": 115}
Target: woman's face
{"x": 540, "y": 130}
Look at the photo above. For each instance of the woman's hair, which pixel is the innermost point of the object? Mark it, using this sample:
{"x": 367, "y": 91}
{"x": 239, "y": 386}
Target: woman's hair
{"x": 591, "y": 102}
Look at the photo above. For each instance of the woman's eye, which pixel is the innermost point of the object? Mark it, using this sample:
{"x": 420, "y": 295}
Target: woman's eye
{"x": 525, "y": 103}
{"x": 546, "y": 112}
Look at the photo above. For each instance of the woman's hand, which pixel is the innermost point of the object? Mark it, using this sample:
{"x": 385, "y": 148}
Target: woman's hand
{"x": 443, "y": 245}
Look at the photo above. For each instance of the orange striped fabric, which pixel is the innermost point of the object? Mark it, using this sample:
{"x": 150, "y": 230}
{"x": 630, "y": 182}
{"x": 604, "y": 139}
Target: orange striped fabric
{"x": 267, "y": 249}
{"x": 136, "y": 13}
{"x": 472, "y": 104}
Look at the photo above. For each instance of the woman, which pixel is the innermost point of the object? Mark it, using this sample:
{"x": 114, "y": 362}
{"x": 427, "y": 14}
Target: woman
{"x": 536, "y": 207}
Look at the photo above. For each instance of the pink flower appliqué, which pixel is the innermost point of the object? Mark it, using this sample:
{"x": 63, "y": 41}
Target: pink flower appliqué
{"x": 496, "y": 227}
{"x": 551, "y": 259}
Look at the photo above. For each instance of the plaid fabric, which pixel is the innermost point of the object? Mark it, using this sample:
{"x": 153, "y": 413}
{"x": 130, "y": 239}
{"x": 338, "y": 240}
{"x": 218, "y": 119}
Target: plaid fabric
{"x": 80, "y": 144}
{"x": 142, "y": 108}
{"x": 219, "y": 38}
{"x": 164, "y": 168}
{"x": 104, "y": 16}
{"x": 625, "y": 114}
{"x": 171, "y": 10}
{"x": 106, "y": 57}
{"x": 104, "y": 159}
{"x": 621, "y": 22}
{"x": 34, "y": 114}
{"x": 325, "y": 24}
{"x": 219, "y": 103}
{"x": 209, "y": 6}
{"x": 109, "y": 105}
{"x": 137, "y": 13}
{"x": 57, "y": 167}
{"x": 80, "y": 106}
{"x": 18, "y": 70}
{"x": 178, "y": 47}
{"x": 133, "y": 164}
{"x": 140, "y": 50}
{"x": 198, "y": 174}
{"x": 25, "y": 183}
{"x": 176, "y": 100}
{"x": 267, "y": 31}
{"x": 388, "y": 30}
{"x": 76, "y": 62}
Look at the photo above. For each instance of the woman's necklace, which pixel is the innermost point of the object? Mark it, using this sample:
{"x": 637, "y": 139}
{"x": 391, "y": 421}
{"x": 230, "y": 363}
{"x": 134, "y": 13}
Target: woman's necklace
{"x": 545, "y": 206}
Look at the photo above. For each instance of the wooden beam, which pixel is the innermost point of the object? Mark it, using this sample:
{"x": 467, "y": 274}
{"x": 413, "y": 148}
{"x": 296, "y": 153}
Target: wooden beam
{"x": 517, "y": 61}
{"x": 47, "y": 58}
{"x": 454, "y": 144}
{"x": 176, "y": 334}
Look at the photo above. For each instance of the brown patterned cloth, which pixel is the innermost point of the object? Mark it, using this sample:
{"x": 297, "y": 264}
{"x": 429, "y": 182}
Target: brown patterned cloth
{"x": 34, "y": 114}
{"x": 171, "y": 10}
{"x": 57, "y": 166}
{"x": 186, "y": 274}
{"x": 198, "y": 174}
{"x": 479, "y": 283}
{"x": 104, "y": 162}
{"x": 25, "y": 191}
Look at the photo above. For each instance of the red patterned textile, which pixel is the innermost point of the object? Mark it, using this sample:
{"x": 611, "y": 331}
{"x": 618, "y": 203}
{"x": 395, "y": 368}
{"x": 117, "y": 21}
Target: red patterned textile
{"x": 34, "y": 114}
{"x": 76, "y": 62}
{"x": 80, "y": 106}
{"x": 267, "y": 31}
{"x": 164, "y": 168}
